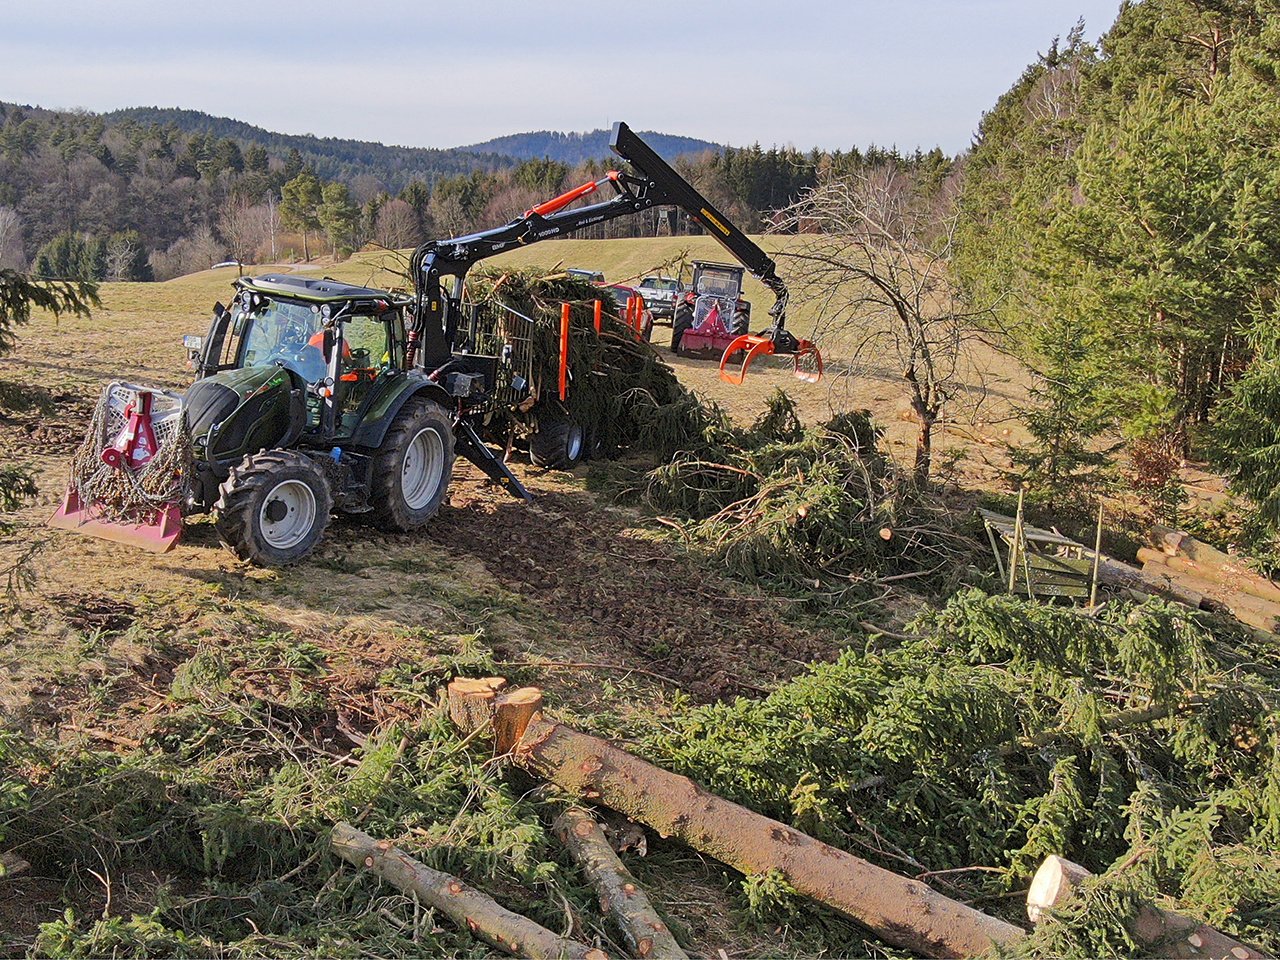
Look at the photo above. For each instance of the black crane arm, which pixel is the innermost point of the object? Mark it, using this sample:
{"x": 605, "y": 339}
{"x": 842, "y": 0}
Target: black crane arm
{"x": 654, "y": 183}
{"x": 677, "y": 191}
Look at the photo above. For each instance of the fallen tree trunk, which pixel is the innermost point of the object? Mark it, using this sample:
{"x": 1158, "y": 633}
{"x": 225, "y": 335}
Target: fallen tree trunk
{"x": 1109, "y": 723}
{"x": 466, "y": 906}
{"x": 620, "y": 896}
{"x": 901, "y": 911}
{"x": 1246, "y": 607}
{"x": 1213, "y": 564}
{"x": 1167, "y": 934}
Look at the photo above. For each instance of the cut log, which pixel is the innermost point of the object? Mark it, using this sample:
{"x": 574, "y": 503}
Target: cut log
{"x": 902, "y": 911}
{"x": 1219, "y": 594}
{"x": 466, "y": 906}
{"x": 512, "y": 712}
{"x": 471, "y": 700}
{"x": 1213, "y": 564}
{"x": 1165, "y": 933}
{"x": 1116, "y": 574}
{"x": 621, "y": 898}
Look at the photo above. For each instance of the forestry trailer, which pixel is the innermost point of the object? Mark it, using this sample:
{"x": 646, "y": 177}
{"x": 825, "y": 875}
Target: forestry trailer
{"x": 315, "y": 395}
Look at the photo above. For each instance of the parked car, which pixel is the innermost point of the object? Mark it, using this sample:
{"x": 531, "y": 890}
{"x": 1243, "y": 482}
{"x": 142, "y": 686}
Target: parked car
{"x": 661, "y": 293}
{"x": 620, "y": 293}
{"x": 593, "y": 276}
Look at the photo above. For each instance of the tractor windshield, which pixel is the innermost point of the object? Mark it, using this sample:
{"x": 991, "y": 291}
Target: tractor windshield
{"x": 286, "y": 334}
{"x": 660, "y": 283}
{"x": 718, "y": 283}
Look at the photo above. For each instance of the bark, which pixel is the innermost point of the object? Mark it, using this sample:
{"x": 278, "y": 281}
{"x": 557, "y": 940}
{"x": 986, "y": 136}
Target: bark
{"x": 480, "y": 915}
{"x": 1164, "y": 933}
{"x": 1116, "y": 574}
{"x": 1203, "y": 560}
{"x": 471, "y": 701}
{"x": 620, "y": 896}
{"x": 924, "y": 448}
{"x": 1246, "y": 607}
{"x": 903, "y": 912}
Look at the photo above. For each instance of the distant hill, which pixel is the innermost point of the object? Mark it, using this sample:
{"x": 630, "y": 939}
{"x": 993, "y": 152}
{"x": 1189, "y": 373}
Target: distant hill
{"x": 332, "y": 158}
{"x": 573, "y": 148}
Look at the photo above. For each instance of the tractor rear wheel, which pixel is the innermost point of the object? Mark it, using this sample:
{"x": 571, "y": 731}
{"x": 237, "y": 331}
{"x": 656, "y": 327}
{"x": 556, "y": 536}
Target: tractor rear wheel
{"x": 558, "y": 444}
{"x": 412, "y": 470}
{"x": 274, "y": 507}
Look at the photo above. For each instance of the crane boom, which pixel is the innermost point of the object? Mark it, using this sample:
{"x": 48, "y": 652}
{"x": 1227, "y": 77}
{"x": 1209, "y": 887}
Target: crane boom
{"x": 651, "y": 182}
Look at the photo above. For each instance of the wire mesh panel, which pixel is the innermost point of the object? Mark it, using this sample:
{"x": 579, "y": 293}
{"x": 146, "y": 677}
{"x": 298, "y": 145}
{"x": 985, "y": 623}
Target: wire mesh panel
{"x": 493, "y": 329}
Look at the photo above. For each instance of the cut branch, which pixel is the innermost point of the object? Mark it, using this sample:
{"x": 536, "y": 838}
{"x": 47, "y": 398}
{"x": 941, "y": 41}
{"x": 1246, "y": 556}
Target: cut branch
{"x": 620, "y": 896}
{"x": 483, "y": 917}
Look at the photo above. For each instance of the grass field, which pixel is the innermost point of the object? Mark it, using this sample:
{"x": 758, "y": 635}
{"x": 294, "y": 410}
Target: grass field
{"x": 99, "y": 654}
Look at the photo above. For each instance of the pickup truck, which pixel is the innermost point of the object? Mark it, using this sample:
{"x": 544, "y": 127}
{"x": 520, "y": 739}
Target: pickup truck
{"x": 660, "y": 294}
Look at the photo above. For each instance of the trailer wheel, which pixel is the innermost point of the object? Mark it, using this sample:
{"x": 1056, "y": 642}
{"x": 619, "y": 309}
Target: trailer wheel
{"x": 558, "y": 444}
{"x": 412, "y": 470}
{"x": 274, "y": 507}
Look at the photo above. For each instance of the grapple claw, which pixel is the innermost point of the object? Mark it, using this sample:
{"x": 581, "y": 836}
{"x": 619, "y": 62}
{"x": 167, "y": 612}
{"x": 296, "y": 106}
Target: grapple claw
{"x": 750, "y": 345}
{"x": 755, "y": 346}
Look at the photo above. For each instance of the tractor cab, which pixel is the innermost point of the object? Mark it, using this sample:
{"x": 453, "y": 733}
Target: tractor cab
{"x": 333, "y": 345}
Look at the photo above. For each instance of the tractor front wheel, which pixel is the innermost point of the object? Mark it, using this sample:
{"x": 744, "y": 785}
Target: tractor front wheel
{"x": 412, "y": 470}
{"x": 274, "y": 507}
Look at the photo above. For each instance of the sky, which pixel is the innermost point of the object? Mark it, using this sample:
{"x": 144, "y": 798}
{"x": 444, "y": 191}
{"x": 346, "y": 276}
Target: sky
{"x": 801, "y": 72}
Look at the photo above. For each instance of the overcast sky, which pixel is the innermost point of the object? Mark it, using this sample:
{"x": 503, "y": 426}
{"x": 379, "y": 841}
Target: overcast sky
{"x": 804, "y": 72}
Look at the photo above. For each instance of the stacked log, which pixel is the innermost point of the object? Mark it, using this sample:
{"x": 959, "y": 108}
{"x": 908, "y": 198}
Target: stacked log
{"x": 1223, "y": 580}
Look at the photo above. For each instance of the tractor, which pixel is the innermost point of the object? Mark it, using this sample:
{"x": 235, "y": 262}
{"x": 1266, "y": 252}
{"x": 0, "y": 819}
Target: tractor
{"x": 314, "y": 396}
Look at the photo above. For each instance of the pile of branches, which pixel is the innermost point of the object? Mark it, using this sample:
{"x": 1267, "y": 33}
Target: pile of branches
{"x": 1134, "y": 741}
{"x": 818, "y": 508}
{"x": 620, "y": 391}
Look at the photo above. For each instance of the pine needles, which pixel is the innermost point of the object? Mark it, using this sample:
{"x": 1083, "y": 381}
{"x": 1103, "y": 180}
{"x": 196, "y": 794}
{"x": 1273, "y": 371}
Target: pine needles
{"x": 1134, "y": 741}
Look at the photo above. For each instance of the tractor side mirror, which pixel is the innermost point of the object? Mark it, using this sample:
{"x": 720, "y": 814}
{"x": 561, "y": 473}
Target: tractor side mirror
{"x": 327, "y": 344}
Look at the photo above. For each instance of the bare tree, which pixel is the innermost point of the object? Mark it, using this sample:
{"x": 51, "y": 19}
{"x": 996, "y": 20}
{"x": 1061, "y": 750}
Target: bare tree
{"x": 247, "y": 228}
{"x": 121, "y": 254}
{"x": 11, "y": 252}
{"x": 874, "y": 254}
{"x": 397, "y": 226}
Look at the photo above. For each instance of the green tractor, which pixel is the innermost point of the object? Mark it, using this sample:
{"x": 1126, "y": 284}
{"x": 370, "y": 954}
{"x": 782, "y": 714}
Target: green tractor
{"x": 303, "y": 405}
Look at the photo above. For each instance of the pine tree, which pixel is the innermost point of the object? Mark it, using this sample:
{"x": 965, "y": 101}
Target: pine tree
{"x": 299, "y": 203}
{"x": 338, "y": 216}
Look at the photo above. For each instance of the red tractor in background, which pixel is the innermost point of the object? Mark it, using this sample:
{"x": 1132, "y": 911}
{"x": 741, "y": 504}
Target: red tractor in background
{"x": 712, "y": 313}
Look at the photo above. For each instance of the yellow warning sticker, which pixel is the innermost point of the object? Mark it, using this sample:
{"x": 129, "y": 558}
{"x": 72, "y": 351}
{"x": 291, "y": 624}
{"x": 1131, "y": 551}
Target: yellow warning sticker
{"x": 716, "y": 223}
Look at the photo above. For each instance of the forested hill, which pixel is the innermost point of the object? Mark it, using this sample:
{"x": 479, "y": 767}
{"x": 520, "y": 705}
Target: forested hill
{"x": 149, "y": 193}
{"x": 331, "y": 158}
{"x": 575, "y": 148}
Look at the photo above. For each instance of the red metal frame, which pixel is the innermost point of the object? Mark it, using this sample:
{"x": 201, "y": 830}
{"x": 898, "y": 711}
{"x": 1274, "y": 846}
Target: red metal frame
{"x": 564, "y": 351}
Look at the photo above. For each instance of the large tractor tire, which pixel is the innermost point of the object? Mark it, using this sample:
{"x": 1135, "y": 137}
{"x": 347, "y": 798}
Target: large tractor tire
{"x": 274, "y": 507}
{"x": 559, "y": 443}
{"x": 412, "y": 470}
